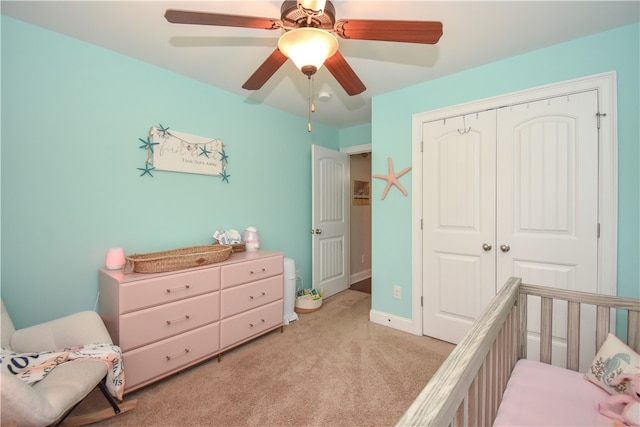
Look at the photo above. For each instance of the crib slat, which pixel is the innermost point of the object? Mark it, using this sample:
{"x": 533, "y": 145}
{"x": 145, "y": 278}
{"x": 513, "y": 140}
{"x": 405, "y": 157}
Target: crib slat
{"x": 633, "y": 330}
{"x": 546, "y": 319}
{"x": 522, "y": 326}
{"x": 603, "y": 314}
{"x": 573, "y": 336}
{"x": 472, "y": 398}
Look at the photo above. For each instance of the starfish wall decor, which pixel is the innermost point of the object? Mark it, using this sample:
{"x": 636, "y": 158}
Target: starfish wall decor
{"x": 392, "y": 178}
{"x": 184, "y": 153}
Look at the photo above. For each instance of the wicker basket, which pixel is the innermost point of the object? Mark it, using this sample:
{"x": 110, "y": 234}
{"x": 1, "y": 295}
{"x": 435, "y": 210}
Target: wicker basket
{"x": 236, "y": 247}
{"x": 176, "y": 259}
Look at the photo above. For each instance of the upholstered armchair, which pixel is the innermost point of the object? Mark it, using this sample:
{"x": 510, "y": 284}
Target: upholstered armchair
{"x": 48, "y": 401}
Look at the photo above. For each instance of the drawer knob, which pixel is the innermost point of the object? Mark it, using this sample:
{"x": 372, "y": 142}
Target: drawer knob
{"x": 251, "y": 325}
{"x": 186, "y": 317}
{"x": 261, "y": 295}
{"x": 178, "y": 289}
{"x": 186, "y": 350}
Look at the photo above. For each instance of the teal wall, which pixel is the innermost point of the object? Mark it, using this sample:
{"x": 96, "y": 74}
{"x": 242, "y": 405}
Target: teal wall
{"x": 355, "y": 135}
{"x": 72, "y": 114}
{"x": 616, "y": 50}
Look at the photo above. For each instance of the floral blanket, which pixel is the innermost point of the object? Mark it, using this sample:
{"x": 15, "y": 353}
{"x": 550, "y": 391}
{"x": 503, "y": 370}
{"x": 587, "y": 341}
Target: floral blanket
{"x": 33, "y": 367}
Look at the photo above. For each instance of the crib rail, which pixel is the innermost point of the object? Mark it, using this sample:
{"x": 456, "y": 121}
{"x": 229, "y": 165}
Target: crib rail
{"x": 604, "y": 305}
{"x": 468, "y": 387}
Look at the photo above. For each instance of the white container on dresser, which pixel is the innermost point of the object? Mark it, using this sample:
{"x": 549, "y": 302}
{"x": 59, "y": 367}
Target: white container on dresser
{"x": 165, "y": 322}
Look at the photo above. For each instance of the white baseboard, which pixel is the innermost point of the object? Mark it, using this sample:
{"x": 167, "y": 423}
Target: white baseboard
{"x": 392, "y": 321}
{"x": 361, "y": 275}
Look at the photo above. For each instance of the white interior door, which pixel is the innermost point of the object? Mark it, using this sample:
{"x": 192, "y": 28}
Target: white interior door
{"x": 330, "y": 220}
{"x": 458, "y": 222}
{"x": 547, "y": 211}
{"x": 538, "y": 213}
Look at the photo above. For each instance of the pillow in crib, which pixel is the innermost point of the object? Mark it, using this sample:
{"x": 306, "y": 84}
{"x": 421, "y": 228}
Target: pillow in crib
{"x": 613, "y": 358}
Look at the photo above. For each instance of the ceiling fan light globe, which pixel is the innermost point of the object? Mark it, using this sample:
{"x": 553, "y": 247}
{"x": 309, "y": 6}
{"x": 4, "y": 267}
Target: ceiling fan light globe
{"x": 308, "y": 46}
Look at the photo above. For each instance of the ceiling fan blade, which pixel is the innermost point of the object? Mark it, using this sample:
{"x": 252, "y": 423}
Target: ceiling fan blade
{"x": 265, "y": 71}
{"x": 176, "y": 16}
{"x": 344, "y": 74}
{"x": 426, "y": 32}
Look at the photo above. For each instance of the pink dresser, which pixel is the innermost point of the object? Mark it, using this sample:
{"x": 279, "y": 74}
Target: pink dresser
{"x": 165, "y": 322}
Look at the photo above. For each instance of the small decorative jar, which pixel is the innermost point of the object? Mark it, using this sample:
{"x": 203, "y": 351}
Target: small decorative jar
{"x": 251, "y": 238}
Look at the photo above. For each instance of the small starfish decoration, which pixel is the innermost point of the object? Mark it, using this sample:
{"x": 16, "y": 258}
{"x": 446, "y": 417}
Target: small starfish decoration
{"x": 225, "y": 177}
{"x": 148, "y": 144}
{"x": 392, "y": 179}
{"x": 223, "y": 156}
{"x": 163, "y": 130}
{"x": 146, "y": 170}
{"x": 204, "y": 152}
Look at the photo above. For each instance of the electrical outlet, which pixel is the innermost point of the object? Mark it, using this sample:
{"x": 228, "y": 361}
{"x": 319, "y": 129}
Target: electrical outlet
{"x": 297, "y": 274}
{"x": 397, "y": 292}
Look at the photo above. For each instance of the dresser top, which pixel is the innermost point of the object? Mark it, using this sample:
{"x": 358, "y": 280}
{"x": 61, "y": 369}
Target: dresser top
{"x": 233, "y": 259}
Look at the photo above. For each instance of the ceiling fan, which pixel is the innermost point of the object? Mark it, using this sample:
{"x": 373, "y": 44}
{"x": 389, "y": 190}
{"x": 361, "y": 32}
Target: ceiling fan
{"x": 309, "y": 39}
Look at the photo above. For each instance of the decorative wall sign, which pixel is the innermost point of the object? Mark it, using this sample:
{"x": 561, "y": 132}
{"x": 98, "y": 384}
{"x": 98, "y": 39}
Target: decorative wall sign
{"x": 169, "y": 150}
{"x": 392, "y": 178}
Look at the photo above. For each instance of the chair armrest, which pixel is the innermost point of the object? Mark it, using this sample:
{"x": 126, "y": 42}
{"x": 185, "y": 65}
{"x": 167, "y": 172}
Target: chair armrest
{"x": 77, "y": 329}
{"x": 21, "y": 404}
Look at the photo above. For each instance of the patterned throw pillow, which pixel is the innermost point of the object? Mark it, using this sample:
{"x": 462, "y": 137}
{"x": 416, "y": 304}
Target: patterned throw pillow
{"x": 613, "y": 358}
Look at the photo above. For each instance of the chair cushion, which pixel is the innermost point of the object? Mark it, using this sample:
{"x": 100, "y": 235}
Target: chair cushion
{"x": 45, "y": 402}
{"x": 81, "y": 328}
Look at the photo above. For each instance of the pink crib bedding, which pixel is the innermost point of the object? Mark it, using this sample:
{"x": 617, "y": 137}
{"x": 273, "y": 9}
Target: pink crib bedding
{"x": 538, "y": 394}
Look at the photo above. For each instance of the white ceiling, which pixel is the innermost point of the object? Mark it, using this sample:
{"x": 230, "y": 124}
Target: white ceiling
{"x": 474, "y": 33}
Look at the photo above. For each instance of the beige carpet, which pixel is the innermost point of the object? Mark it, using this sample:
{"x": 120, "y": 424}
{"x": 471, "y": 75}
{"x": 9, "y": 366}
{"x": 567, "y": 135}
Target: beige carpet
{"x": 332, "y": 367}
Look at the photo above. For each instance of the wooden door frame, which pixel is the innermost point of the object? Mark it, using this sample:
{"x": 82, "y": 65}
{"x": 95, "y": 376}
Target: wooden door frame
{"x": 606, "y": 85}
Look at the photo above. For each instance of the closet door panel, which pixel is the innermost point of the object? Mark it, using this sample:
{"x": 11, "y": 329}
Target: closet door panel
{"x": 547, "y": 203}
{"x": 459, "y": 218}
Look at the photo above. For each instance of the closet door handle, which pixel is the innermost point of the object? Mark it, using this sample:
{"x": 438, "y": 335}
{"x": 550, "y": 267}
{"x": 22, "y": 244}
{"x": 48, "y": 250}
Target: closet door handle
{"x": 505, "y": 248}
{"x": 487, "y": 247}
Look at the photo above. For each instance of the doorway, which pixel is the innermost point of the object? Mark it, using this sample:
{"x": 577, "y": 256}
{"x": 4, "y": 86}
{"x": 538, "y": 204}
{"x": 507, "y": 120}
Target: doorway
{"x": 360, "y": 224}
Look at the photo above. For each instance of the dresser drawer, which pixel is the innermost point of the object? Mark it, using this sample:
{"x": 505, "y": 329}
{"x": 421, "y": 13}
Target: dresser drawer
{"x": 156, "y": 323}
{"x": 243, "y": 326}
{"x": 237, "y": 274}
{"x": 160, "y": 290}
{"x": 159, "y": 359}
{"x": 252, "y": 295}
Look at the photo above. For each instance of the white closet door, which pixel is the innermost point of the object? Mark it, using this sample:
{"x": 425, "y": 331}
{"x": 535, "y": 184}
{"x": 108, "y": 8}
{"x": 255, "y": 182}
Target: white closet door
{"x": 459, "y": 218}
{"x": 547, "y": 210}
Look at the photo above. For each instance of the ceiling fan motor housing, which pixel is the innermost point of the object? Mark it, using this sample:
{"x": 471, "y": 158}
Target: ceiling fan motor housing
{"x": 292, "y": 16}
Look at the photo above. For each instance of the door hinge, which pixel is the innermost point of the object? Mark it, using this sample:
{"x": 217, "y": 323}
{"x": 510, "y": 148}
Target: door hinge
{"x": 421, "y": 146}
{"x": 421, "y": 301}
{"x": 598, "y": 115}
{"x": 420, "y": 223}
{"x": 598, "y": 230}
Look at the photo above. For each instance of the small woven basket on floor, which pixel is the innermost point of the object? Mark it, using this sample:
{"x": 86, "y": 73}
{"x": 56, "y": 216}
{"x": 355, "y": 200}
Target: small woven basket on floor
{"x": 176, "y": 259}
